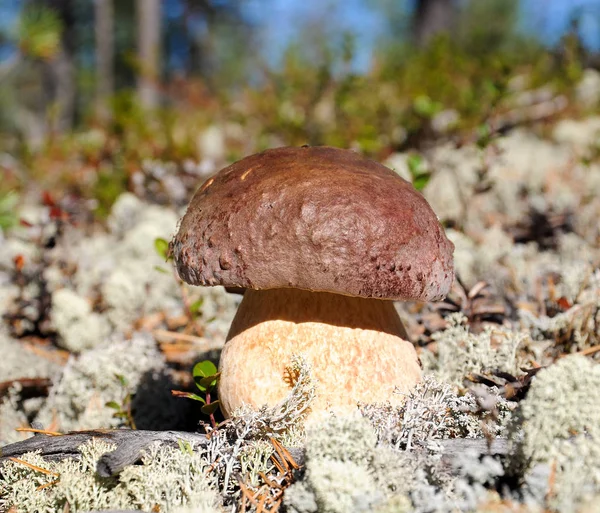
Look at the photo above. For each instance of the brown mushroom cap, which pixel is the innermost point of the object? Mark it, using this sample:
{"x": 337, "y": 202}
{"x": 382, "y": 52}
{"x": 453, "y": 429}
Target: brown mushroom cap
{"x": 314, "y": 218}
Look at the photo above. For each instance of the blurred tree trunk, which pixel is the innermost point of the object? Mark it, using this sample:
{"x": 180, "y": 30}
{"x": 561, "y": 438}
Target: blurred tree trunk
{"x": 149, "y": 36}
{"x": 59, "y": 73}
{"x": 105, "y": 48}
{"x": 60, "y": 91}
{"x": 432, "y": 17}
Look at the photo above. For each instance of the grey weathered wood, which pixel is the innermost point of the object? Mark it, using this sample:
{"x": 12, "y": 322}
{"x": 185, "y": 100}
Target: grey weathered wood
{"x": 131, "y": 444}
{"x": 454, "y": 446}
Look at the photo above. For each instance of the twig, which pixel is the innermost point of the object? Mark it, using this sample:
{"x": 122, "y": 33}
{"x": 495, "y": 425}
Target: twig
{"x": 38, "y": 431}
{"x": 47, "y": 485}
{"x": 588, "y": 351}
{"x": 34, "y": 467}
{"x": 165, "y": 336}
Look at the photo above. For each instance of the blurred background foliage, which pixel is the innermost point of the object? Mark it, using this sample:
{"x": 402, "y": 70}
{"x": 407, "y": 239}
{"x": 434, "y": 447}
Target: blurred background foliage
{"x": 93, "y": 92}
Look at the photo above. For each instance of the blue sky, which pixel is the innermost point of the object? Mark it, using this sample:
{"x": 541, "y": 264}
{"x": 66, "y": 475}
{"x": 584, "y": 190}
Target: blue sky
{"x": 549, "y": 19}
{"x": 280, "y": 19}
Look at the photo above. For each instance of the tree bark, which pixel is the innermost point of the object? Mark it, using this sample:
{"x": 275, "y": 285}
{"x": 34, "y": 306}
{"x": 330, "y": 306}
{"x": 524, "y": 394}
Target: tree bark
{"x": 149, "y": 35}
{"x": 432, "y": 17}
{"x": 105, "y": 48}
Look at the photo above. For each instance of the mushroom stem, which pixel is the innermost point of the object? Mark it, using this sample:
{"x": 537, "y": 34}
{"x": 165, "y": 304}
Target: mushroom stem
{"x": 357, "y": 347}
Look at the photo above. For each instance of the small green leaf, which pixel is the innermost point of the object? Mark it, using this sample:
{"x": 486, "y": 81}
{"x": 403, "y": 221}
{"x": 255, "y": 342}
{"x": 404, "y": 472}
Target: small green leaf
{"x": 160, "y": 269}
{"x": 204, "y": 369}
{"x": 418, "y": 171}
{"x": 426, "y": 107}
{"x": 416, "y": 164}
{"x": 185, "y": 446}
{"x": 421, "y": 181}
{"x": 113, "y": 404}
{"x": 484, "y": 136}
{"x": 122, "y": 379}
{"x": 206, "y": 384}
{"x": 189, "y": 395}
{"x": 196, "y": 305}
{"x": 209, "y": 409}
{"x": 162, "y": 247}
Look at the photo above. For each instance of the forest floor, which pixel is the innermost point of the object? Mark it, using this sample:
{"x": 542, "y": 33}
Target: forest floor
{"x": 97, "y": 329}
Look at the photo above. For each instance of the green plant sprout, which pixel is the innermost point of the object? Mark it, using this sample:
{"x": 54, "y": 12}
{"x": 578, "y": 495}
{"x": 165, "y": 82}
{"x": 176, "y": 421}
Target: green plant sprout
{"x": 123, "y": 410}
{"x": 185, "y": 447}
{"x": 424, "y": 106}
{"x": 162, "y": 249}
{"x": 8, "y": 210}
{"x": 206, "y": 377}
{"x": 418, "y": 171}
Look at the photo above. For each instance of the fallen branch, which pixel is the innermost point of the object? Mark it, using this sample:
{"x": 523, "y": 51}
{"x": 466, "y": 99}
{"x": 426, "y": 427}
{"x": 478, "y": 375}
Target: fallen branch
{"x": 131, "y": 444}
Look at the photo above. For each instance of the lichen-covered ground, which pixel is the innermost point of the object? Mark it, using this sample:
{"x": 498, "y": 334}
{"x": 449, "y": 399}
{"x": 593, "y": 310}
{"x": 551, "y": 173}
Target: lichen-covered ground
{"x": 93, "y": 316}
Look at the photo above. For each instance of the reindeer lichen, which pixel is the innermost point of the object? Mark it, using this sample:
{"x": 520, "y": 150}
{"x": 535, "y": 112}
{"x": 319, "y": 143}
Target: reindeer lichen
{"x": 166, "y": 479}
{"x": 461, "y": 352}
{"x": 90, "y": 380}
{"x": 558, "y": 426}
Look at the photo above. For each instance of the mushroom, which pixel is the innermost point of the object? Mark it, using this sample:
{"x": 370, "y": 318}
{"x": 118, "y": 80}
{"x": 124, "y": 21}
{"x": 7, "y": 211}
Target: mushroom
{"x": 322, "y": 239}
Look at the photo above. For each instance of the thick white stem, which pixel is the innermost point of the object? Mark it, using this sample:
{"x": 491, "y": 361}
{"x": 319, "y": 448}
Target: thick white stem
{"x": 357, "y": 348}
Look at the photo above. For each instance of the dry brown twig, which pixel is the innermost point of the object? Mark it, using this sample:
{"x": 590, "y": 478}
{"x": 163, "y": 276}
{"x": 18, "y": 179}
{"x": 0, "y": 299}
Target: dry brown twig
{"x": 268, "y": 497}
{"x": 474, "y": 303}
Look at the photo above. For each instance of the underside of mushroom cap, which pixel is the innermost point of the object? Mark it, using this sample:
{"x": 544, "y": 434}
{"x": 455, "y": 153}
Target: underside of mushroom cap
{"x": 314, "y": 218}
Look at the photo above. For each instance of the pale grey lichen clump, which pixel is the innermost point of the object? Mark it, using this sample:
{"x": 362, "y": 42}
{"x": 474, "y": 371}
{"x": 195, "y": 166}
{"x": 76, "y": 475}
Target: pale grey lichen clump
{"x": 21, "y": 361}
{"x": 562, "y": 403}
{"x": 172, "y": 478}
{"x": 434, "y": 410}
{"x": 78, "y": 399}
{"x": 387, "y": 458}
{"x": 520, "y": 163}
{"x": 134, "y": 287}
{"x": 78, "y": 327}
{"x": 350, "y": 468}
{"x": 167, "y": 479}
{"x": 558, "y": 425}
{"x": 11, "y": 417}
{"x": 461, "y": 352}
{"x": 337, "y": 476}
